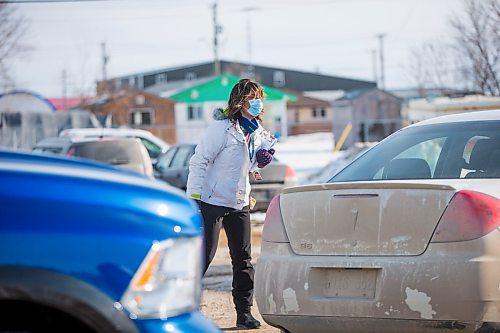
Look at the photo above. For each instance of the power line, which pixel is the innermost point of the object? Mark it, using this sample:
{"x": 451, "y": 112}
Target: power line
{"x": 51, "y": 1}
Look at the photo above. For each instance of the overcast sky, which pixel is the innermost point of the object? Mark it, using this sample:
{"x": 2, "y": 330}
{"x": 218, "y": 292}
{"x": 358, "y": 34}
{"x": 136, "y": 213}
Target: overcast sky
{"x": 328, "y": 36}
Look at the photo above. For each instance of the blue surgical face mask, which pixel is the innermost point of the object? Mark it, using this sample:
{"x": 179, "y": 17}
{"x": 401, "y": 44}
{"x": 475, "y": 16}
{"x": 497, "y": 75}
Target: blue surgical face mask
{"x": 256, "y": 107}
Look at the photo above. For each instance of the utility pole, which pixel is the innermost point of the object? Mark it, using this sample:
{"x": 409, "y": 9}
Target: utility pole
{"x": 64, "y": 77}
{"x": 374, "y": 65}
{"x": 248, "y": 10}
{"x": 382, "y": 66}
{"x": 105, "y": 59}
{"x": 217, "y": 31}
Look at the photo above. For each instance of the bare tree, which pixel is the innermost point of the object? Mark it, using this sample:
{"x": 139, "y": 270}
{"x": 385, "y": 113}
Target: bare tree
{"x": 431, "y": 65}
{"x": 12, "y": 28}
{"x": 418, "y": 69}
{"x": 477, "y": 40}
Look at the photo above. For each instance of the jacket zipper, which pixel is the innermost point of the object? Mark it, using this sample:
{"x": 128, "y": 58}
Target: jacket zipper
{"x": 213, "y": 188}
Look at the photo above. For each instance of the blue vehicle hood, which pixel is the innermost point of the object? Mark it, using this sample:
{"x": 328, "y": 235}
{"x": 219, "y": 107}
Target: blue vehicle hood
{"x": 88, "y": 220}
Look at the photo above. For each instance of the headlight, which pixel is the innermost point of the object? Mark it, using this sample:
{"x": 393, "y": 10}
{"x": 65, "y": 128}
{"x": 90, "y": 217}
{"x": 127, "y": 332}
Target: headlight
{"x": 168, "y": 282}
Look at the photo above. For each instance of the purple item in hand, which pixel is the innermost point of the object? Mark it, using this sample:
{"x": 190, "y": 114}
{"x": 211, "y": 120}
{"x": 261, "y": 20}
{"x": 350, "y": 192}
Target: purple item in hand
{"x": 264, "y": 157}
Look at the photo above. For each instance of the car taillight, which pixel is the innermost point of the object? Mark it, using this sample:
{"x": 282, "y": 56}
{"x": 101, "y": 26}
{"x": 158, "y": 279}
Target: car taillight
{"x": 274, "y": 229}
{"x": 469, "y": 215}
{"x": 290, "y": 176}
{"x": 148, "y": 170}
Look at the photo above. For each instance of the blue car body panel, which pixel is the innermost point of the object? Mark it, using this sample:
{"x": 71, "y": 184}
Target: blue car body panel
{"x": 91, "y": 222}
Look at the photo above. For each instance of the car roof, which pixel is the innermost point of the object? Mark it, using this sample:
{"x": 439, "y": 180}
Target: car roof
{"x": 104, "y": 131}
{"x": 462, "y": 117}
{"x": 114, "y": 132}
{"x": 66, "y": 140}
{"x": 184, "y": 145}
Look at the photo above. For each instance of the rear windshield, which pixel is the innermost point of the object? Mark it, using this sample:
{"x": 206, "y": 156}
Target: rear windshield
{"x": 48, "y": 150}
{"x": 111, "y": 152}
{"x": 446, "y": 151}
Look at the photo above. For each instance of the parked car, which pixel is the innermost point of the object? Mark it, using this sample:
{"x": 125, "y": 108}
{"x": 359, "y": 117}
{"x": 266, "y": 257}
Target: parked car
{"x": 127, "y": 153}
{"x": 90, "y": 248}
{"x": 406, "y": 238}
{"x": 153, "y": 144}
{"x": 173, "y": 167}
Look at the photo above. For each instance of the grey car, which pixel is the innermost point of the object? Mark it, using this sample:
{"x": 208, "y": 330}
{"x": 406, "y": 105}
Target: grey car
{"x": 127, "y": 153}
{"x": 173, "y": 167}
{"x": 406, "y": 238}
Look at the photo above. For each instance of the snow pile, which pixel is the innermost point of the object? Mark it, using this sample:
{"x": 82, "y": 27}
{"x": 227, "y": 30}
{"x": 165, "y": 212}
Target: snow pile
{"x": 307, "y": 154}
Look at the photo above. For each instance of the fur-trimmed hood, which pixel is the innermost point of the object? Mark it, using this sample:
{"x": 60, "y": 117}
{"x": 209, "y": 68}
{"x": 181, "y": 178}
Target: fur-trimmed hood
{"x": 220, "y": 114}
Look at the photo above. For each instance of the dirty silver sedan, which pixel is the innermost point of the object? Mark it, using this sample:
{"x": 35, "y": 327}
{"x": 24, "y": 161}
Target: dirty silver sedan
{"x": 404, "y": 239}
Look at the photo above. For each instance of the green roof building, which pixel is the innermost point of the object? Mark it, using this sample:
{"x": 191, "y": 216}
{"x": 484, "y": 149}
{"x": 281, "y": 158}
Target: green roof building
{"x": 219, "y": 88}
{"x": 195, "y": 105}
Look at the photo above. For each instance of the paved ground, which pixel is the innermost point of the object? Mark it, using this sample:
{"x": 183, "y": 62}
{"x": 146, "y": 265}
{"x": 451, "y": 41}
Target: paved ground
{"x": 217, "y": 303}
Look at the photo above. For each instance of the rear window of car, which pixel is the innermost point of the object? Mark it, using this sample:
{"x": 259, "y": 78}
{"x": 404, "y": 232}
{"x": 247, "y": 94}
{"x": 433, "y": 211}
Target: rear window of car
{"x": 451, "y": 151}
{"x": 48, "y": 150}
{"x": 114, "y": 152}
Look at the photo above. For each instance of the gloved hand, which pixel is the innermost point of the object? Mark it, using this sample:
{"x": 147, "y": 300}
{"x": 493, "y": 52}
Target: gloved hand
{"x": 264, "y": 157}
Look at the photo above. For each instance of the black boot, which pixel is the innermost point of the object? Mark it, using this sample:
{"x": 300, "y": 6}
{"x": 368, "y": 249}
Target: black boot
{"x": 246, "y": 320}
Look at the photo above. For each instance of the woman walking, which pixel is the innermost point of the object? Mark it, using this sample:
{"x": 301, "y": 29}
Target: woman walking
{"x": 233, "y": 147}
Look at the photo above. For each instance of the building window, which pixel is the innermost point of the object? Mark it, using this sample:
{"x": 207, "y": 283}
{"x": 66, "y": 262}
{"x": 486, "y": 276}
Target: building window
{"x": 131, "y": 81}
{"x": 140, "y": 82}
{"x": 190, "y": 76}
{"x": 279, "y": 78}
{"x": 318, "y": 113}
{"x": 140, "y": 100}
{"x": 195, "y": 112}
{"x": 141, "y": 117}
{"x": 161, "y": 78}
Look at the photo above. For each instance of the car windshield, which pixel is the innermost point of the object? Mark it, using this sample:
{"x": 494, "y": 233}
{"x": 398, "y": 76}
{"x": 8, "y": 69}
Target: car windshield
{"x": 446, "y": 151}
{"x": 112, "y": 152}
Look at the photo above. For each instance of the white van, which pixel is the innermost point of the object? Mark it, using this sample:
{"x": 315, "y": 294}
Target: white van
{"x": 154, "y": 145}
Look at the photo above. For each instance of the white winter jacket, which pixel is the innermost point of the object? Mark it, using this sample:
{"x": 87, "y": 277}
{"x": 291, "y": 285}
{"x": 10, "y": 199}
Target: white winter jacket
{"x": 219, "y": 169}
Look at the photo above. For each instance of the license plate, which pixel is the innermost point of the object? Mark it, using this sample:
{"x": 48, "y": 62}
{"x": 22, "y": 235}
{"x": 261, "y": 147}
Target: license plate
{"x": 343, "y": 282}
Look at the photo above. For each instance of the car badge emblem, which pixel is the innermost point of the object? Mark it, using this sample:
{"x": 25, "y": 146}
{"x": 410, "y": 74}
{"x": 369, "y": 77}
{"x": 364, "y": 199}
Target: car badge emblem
{"x": 354, "y": 214}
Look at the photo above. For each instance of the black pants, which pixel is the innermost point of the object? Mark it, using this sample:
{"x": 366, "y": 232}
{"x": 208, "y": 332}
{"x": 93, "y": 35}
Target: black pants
{"x": 236, "y": 223}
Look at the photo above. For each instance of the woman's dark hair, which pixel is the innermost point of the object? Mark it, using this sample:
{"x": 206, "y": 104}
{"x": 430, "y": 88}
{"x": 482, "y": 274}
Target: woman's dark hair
{"x": 242, "y": 92}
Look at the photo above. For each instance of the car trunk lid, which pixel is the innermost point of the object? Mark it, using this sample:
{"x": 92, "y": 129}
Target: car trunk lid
{"x": 363, "y": 219}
